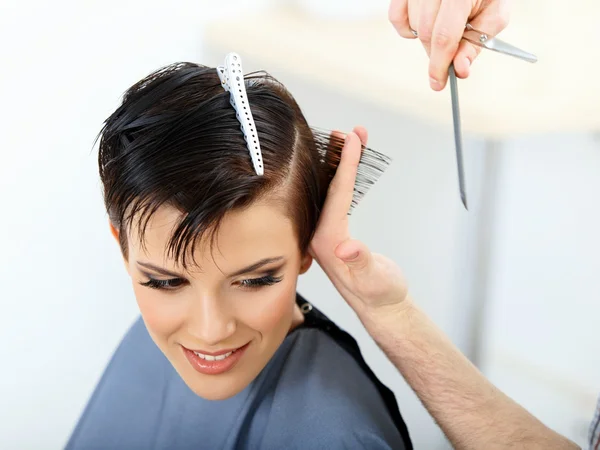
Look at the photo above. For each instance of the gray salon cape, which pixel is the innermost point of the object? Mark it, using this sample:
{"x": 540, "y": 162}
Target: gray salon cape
{"x": 315, "y": 393}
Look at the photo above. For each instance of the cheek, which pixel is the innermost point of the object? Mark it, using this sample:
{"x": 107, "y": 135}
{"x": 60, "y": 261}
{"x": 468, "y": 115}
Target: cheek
{"x": 161, "y": 316}
{"x": 271, "y": 309}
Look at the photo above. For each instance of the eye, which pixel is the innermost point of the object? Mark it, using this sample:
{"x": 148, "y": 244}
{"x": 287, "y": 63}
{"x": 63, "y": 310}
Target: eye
{"x": 254, "y": 283}
{"x": 171, "y": 284}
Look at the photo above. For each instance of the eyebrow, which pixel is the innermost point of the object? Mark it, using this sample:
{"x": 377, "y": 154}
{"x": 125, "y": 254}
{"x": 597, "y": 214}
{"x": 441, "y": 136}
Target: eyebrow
{"x": 251, "y": 268}
{"x": 159, "y": 270}
{"x": 257, "y": 265}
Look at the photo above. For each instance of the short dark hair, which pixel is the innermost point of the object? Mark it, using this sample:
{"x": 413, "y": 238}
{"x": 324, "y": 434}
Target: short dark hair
{"x": 175, "y": 140}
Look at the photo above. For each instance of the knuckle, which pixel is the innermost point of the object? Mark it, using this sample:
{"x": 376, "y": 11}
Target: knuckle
{"x": 425, "y": 34}
{"x": 442, "y": 39}
{"x": 425, "y": 28}
{"x": 425, "y": 39}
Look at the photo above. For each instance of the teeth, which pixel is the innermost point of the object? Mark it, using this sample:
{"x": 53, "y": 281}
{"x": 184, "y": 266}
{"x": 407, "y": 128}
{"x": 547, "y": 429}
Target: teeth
{"x": 213, "y": 358}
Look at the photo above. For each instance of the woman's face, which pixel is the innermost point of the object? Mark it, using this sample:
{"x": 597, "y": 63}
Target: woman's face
{"x": 220, "y": 323}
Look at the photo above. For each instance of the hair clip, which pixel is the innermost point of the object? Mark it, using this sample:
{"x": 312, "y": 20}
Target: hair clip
{"x": 232, "y": 80}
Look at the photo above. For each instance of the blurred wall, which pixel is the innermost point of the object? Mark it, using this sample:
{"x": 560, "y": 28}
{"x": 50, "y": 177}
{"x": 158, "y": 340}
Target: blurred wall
{"x": 541, "y": 342}
{"x": 67, "y": 301}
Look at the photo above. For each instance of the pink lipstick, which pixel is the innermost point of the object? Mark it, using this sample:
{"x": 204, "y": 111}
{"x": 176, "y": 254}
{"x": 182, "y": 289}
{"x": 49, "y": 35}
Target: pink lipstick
{"x": 214, "y": 363}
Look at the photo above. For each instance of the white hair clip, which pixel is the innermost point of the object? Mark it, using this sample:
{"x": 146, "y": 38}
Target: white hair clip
{"x": 232, "y": 79}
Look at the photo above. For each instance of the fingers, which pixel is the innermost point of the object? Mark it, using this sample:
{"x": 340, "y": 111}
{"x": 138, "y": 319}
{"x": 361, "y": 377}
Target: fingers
{"x": 425, "y": 20}
{"x": 440, "y": 25}
{"x": 445, "y": 38}
{"x": 362, "y": 133}
{"x": 465, "y": 56}
{"x": 341, "y": 188}
{"x": 493, "y": 19}
{"x": 398, "y": 16}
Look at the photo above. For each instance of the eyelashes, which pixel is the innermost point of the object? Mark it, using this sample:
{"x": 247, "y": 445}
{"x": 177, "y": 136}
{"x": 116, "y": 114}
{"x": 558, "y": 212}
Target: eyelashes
{"x": 247, "y": 284}
{"x": 267, "y": 280}
{"x": 153, "y": 283}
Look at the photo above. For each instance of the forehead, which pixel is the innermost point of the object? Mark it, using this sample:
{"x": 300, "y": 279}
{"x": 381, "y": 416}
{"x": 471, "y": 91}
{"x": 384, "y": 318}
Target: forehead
{"x": 260, "y": 230}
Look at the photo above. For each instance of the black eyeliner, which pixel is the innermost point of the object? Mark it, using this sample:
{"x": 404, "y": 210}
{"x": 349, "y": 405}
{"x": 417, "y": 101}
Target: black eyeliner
{"x": 154, "y": 283}
{"x": 266, "y": 280}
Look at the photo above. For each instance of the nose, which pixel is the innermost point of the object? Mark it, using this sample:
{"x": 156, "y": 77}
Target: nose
{"x": 210, "y": 321}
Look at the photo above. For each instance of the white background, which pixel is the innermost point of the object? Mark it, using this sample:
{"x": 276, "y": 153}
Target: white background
{"x": 66, "y": 301}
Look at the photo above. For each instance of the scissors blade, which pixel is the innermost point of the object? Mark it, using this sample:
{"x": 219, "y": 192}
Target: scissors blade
{"x": 482, "y": 39}
{"x": 503, "y": 47}
{"x": 457, "y": 134}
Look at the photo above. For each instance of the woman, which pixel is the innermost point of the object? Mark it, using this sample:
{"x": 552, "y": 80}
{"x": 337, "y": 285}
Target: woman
{"x": 226, "y": 354}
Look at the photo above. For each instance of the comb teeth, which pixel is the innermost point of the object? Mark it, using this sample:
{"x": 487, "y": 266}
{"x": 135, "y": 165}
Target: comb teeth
{"x": 371, "y": 166}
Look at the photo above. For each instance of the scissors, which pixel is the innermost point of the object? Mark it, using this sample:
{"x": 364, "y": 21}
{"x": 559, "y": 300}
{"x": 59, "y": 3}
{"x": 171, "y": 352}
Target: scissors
{"x": 480, "y": 39}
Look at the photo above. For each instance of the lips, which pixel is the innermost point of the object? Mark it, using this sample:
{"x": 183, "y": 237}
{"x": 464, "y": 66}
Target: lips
{"x": 214, "y": 363}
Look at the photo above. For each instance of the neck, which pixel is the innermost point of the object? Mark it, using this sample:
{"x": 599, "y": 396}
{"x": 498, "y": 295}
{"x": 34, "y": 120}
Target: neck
{"x": 297, "y": 318}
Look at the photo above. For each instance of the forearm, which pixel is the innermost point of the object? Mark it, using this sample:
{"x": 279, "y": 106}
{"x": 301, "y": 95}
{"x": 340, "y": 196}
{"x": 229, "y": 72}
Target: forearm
{"x": 471, "y": 411}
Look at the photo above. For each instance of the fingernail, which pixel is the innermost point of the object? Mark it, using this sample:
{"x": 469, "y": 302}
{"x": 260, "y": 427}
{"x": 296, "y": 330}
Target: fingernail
{"x": 434, "y": 83}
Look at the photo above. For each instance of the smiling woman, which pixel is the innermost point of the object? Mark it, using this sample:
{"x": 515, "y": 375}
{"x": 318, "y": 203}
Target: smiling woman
{"x": 226, "y": 354}
{"x": 238, "y": 300}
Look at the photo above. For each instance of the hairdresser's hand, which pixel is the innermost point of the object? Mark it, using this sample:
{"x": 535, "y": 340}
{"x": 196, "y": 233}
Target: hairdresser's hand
{"x": 440, "y": 25}
{"x": 369, "y": 282}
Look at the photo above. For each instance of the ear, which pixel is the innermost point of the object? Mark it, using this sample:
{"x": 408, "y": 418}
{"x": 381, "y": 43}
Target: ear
{"x": 114, "y": 232}
{"x": 306, "y": 263}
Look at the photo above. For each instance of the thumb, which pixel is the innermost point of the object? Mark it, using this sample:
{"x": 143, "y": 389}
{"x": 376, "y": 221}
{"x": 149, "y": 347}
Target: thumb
{"x": 355, "y": 254}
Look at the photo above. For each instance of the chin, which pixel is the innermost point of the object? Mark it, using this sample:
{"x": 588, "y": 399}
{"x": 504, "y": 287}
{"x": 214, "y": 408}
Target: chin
{"x": 217, "y": 389}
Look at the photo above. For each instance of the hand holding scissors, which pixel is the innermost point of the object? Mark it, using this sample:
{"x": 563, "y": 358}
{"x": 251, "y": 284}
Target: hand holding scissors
{"x": 482, "y": 40}
{"x": 449, "y": 43}
{"x": 440, "y": 26}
